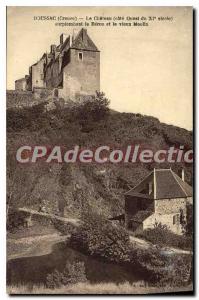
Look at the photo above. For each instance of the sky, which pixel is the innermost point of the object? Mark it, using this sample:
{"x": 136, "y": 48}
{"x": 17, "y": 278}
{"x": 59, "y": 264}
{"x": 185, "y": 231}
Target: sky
{"x": 143, "y": 69}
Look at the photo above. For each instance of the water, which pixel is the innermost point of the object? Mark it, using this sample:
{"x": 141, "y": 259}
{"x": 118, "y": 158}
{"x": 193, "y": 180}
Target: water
{"x": 33, "y": 270}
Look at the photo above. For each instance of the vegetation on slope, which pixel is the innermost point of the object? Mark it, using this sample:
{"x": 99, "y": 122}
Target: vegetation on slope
{"x": 79, "y": 187}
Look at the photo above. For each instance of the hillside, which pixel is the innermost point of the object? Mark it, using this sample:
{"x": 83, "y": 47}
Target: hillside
{"x": 79, "y": 187}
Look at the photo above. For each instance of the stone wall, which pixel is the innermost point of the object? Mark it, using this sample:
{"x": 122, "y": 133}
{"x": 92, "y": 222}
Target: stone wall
{"x": 164, "y": 219}
{"x": 133, "y": 205}
{"x": 38, "y": 74}
{"x": 169, "y": 206}
{"x": 20, "y": 84}
{"x": 166, "y": 210}
{"x": 20, "y": 99}
{"x": 81, "y": 77}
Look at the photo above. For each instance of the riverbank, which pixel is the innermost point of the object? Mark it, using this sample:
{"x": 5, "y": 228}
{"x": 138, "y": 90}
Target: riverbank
{"x": 32, "y": 256}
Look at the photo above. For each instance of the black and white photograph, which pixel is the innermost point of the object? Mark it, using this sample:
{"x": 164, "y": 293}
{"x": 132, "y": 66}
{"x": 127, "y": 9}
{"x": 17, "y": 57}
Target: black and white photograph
{"x": 99, "y": 146}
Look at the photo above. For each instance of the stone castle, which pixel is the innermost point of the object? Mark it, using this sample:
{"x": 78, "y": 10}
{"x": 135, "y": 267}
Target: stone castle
{"x": 71, "y": 70}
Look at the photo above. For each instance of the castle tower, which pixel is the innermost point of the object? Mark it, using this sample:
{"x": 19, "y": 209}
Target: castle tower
{"x": 81, "y": 68}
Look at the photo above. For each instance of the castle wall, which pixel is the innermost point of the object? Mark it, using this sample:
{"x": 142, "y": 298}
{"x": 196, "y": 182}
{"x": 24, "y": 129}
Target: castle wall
{"x": 20, "y": 84}
{"x": 38, "y": 74}
{"x": 81, "y": 76}
{"x": 70, "y": 72}
{"x": 53, "y": 77}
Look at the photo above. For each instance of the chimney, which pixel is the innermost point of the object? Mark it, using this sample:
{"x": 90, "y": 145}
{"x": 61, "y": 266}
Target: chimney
{"x": 63, "y": 37}
{"x": 52, "y": 48}
{"x": 74, "y": 34}
{"x": 84, "y": 32}
{"x": 182, "y": 174}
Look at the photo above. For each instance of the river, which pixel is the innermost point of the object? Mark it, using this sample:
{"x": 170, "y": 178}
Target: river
{"x": 34, "y": 269}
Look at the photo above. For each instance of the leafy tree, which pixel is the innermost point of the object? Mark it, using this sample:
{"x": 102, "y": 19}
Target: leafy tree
{"x": 101, "y": 238}
{"x": 94, "y": 109}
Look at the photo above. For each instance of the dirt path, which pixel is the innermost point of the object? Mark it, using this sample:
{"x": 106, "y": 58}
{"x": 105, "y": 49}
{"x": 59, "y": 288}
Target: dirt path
{"x": 166, "y": 250}
{"x": 33, "y": 246}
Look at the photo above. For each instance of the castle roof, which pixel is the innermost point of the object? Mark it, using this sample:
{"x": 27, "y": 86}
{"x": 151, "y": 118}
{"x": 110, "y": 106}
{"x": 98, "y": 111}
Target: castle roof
{"x": 83, "y": 42}
{"x": 167, "y": 184}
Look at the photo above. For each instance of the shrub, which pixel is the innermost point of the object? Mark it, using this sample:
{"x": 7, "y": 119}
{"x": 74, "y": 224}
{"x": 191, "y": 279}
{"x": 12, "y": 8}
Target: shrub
{"x": 177, "y": 271}
{"x": 189, "y": 224}
{"x": 72, "y": 273}
{"x": 164, "y": 270}
{"x": 15, "y": 219}
{"x": 63, "y": 227}
{"x": 93, "y": 109}
{"x": 162, "y": 236}
{"x": 99, "y": 237}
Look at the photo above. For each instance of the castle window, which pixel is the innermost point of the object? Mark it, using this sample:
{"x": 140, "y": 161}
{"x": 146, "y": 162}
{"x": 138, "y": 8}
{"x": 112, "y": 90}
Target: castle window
{"x": 176, "y": 219}
{"x": 80, "y": 55}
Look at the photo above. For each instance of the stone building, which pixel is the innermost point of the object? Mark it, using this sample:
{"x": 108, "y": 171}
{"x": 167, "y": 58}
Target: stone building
{"x": 161, "y": 197}
{"x": 71, "y": 69}
{"x": 21, "y": 84}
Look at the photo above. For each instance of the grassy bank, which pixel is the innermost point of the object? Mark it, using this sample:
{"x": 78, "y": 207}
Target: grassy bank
{"x": 101, "y": 288}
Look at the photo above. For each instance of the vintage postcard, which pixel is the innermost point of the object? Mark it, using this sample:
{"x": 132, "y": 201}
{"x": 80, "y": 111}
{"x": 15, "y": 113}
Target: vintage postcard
{"x": 99, "y": 150}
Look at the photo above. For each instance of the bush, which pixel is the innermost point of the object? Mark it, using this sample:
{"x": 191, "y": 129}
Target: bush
{"x": 189, "y": 224}
{"x": 162, "y": 236}
{"x": 164, "y": 270}
{"x": 99, "y": 237}
{"x": 177, "y": 271}
{"x": 93, "y": 109}
{"x": 15, "y": 219}
{"x": 63, "y": 227}
{"x": 72, "y": 273}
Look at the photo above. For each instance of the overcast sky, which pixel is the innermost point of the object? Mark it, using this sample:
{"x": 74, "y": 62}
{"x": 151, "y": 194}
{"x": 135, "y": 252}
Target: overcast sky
{"x": 145, "y": 70}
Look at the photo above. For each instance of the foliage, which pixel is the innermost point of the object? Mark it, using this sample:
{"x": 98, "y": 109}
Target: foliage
{"x": 177, "y": 271}
{"x": 74, "y": 125}
{"x": 73, "y": 273}
{"x": 99, "y": 237}
{"x": 163, "y": 269}
{"x": 109, "y": 288}
{"x": 162, "y": 236}
{"x": 189, "y": 223}
{"x": 14, "y": 220}
{"x": 63, "y": 227}
{"x": 94, "y": 109}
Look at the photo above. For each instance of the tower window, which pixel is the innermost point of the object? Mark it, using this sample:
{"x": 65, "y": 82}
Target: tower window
{"x": 80, "y": 56}
{"x": 176, "y": 219}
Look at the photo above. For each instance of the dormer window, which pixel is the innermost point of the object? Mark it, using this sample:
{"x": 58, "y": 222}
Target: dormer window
{"x": 80, "y": 55}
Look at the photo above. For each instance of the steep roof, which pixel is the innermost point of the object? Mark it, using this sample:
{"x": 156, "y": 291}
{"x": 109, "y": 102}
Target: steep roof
{"x": 83, "y": 42}
{"x": 167, "y": 184}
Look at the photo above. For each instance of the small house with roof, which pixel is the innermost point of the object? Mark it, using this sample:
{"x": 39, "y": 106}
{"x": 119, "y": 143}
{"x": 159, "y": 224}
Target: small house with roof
{"x": 161, "y": 197}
